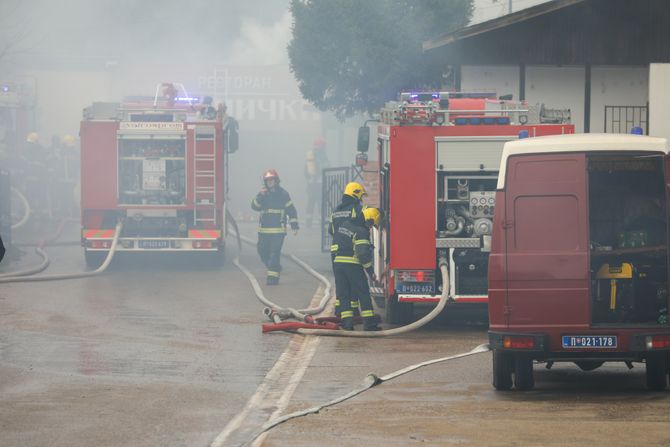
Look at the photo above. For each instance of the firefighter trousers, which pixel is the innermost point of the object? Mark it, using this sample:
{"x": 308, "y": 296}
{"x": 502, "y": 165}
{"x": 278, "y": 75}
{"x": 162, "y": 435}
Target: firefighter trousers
{"x": 269, "y": 248}
{"x": 351, "y": 286}
{"x": 355, "y": 306}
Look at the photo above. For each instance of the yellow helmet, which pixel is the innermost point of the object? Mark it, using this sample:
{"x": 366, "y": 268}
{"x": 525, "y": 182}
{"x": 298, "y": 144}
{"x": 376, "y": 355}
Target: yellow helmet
{"x": 354, "y": 189}
{"x": 372, "y": 214}
{"x": 32, "y": 137}
{"x": 68, "y": 141}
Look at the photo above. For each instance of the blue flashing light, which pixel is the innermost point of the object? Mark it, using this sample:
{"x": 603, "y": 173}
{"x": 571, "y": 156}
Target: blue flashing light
{"x": 5, "y": 88}
{"x": 424, "y": 97}
{"x": 523, "y": 134}
{"x": 187, "y": 99}
{"x": 461, "y": 121}
{"x": 488, "y": 120}
{"x": 475, "y": 120}
{"x": 637, "y": 130}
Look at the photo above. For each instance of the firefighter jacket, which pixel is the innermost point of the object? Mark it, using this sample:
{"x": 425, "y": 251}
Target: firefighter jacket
{"x": 353, "y": 245}
{"x": 275, "y": 207}
{"x": 350, "y": 209}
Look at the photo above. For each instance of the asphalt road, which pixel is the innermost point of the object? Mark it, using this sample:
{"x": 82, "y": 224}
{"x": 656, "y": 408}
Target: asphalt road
{"x": 160, "y": 350}
{"x": 169, "y": 351}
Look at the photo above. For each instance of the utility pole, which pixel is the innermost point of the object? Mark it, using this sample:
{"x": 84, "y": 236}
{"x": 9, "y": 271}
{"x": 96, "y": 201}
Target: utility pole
{"x": 509, "y": 7}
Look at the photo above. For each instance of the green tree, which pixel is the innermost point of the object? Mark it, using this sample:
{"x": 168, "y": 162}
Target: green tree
{"x": 351, "y": 56}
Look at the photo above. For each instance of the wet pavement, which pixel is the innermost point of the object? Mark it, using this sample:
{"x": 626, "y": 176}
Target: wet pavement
{"x": 168, "y": 351}
{"x": 159, "y": 350}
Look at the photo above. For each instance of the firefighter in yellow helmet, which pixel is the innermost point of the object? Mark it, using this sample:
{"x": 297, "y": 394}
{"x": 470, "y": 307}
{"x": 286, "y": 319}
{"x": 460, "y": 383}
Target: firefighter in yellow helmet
{"x": 33, "y": 165}
{"x": 66, "y": 157}
{"x": 276, "y": 207}
{"x": 353, "y": 259}
{"x": 349, "y": 209}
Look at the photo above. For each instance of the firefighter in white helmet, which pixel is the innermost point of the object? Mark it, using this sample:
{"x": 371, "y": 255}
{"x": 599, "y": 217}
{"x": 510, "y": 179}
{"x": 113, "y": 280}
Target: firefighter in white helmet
{"x": 353, "y": 260}
{"x": 276, "y": 207}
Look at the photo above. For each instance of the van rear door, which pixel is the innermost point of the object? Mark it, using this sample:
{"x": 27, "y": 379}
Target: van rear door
{"x": 546, "y": 232}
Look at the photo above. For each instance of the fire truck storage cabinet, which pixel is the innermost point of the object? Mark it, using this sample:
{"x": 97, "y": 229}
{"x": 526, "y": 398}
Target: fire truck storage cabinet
{"x": 578, "y": 270}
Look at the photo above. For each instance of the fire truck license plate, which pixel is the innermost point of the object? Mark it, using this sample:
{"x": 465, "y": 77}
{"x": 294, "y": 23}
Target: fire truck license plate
{"x": 154, "y": 244}
{"x": 428, "y": 289}
{"x": 589, "y": 341}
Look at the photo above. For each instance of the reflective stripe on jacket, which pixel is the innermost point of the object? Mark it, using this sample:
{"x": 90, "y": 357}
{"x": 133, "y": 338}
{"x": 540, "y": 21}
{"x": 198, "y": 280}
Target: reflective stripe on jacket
{"x": 353, "y": 245}
{"x": 275, "y": 207}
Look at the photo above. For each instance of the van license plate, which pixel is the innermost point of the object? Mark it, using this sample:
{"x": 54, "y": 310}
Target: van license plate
{"x": 153, "y": 244}
{"x": 590, "y": 341}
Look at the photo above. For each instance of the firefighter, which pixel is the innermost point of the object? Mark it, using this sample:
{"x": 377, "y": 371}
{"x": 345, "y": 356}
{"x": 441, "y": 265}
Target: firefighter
{"x": 275, "y": 206}
{"x": 353, "y": 260}
{"x": 208, "y": 111}
{"x": 315, "y": 161}
{"x": 349, "y": 209}
{"x": 33, "y": 161}
{"x": 67, "y": 174}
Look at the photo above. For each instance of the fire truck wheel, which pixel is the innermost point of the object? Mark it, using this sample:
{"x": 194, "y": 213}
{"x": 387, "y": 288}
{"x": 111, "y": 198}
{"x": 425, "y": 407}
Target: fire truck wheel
{"x": 502, "y": 370}
{"x": 523, "y": 371}
{"x": 94, "y": 259}
{"x": 657, "y": 370}
{"x": 397, "y": 312}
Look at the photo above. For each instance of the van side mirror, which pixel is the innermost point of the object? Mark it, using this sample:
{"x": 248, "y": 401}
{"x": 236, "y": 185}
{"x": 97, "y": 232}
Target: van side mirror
{"x": 363, "y": 139}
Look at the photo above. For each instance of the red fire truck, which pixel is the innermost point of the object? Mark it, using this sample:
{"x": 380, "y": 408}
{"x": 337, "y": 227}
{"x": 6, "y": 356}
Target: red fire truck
{"x": 579, "y": 262}
{"x": 159, "y": 164}
{"x": 439, "y": 156}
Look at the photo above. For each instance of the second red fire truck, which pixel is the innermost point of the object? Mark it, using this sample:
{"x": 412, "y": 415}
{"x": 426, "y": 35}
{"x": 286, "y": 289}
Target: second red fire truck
{"x": 158, "y": 164}
{"x": 439, "y": 156}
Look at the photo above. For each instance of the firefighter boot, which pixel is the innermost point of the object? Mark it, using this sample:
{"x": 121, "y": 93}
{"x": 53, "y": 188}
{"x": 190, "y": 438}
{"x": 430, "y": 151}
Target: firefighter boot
{"x": 272, "y": 281}
{"x": 347, "y": 324}
{"x": 272, "y": 278}
{"x": 370, "y": 324}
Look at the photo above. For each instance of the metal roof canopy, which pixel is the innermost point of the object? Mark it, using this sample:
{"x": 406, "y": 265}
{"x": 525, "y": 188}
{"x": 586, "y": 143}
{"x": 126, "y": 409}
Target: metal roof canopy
{"x": 565, "y": 32}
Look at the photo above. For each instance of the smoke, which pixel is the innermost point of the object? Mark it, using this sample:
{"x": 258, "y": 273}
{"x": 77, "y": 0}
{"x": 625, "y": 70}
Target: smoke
{"x": 260, "y": 44}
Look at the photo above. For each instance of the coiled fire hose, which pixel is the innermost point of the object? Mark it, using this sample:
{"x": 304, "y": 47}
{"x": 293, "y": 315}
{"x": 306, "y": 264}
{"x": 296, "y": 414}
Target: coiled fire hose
{"x": 57, "y": 277}
{"x": 370, "y": 381}
{"x": 277, "y": 314}
{"x": 26, "y": 209}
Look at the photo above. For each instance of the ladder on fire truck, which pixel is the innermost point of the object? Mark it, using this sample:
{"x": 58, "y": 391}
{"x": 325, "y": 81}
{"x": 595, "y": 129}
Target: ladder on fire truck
{"x": 204, "y": 176}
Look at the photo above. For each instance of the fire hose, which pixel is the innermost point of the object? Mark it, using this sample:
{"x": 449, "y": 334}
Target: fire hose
{"x": 306, "y": 326}
{"x": 26, "y": 209}
{"x": 39, "y": 250}
{"x": 370, "y": 381}
{"x": 57, "y": 277}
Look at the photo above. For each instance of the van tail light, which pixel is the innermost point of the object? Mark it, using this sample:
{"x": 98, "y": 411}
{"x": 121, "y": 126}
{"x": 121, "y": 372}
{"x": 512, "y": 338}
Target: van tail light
{"x": 518, "y": 342}
{"x": 202, "y": 244}
{"x": 658, "y": 341}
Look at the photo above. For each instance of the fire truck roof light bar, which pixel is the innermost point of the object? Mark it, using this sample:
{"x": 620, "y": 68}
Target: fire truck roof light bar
{"x": 482, "y": 111}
